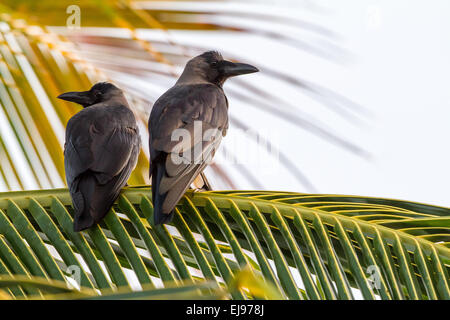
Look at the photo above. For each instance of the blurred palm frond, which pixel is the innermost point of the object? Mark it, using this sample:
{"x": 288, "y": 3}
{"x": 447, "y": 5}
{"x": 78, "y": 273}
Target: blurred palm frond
{"x": 131, "y": 44}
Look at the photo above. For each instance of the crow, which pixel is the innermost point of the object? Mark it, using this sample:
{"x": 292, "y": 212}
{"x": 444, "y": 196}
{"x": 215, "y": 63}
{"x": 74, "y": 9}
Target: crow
{"x": 195, "y": 111}
{"x": 100, "y": 152}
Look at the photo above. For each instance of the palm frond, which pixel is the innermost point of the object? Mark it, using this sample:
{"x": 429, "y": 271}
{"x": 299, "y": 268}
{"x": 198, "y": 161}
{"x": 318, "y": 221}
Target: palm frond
{"x": 303, "y": 245}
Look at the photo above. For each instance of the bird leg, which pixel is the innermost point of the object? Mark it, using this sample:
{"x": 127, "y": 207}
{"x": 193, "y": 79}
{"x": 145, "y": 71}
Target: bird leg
{"x": 200, "y": 183}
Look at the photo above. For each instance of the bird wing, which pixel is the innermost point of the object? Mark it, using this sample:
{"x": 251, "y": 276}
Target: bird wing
{"x": 186, "y": 127}
{"x": 99, "y": 140}
{"x": 101, "y": 150}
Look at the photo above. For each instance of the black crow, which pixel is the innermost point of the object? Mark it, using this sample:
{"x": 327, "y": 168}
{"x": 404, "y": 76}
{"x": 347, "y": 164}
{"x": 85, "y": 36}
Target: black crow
{"x": 195, "y": 107}
{"x": 101, "y": 149}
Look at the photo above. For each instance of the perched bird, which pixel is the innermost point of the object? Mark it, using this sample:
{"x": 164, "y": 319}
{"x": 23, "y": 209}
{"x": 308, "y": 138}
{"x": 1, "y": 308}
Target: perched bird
{"x": 196, "y": 107}
{"x": 101, "y": 149}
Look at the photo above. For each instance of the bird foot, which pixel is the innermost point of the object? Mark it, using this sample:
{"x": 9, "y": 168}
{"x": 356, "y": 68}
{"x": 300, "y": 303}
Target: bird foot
{"x": 194, "y": 190}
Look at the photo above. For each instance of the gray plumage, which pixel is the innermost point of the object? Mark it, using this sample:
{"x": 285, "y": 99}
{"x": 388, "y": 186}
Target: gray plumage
{"x": 197, "y": 96}
{"x": 101, "y": 150}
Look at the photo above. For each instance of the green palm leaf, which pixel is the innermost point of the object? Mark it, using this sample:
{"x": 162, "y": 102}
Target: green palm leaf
{"x": 302, "y": 245}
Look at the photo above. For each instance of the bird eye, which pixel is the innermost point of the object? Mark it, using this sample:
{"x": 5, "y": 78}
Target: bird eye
{"x": 214, "y": 64}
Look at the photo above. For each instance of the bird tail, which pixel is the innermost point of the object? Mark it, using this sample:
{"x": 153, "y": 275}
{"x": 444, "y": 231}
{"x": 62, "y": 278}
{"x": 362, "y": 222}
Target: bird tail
{"x": 92, "y": 200}
{"x": 159, "y": 216}
{"x": 81, "y": 199}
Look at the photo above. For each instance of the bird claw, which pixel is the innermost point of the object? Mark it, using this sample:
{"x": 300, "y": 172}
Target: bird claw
{"x": 195, "y": 190}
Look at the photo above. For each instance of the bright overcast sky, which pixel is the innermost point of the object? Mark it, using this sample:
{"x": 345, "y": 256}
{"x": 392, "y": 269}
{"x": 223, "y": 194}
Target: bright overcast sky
{"x": 399, "y": 71}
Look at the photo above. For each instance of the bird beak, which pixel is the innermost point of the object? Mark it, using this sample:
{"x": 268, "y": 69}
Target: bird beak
{"x": 81, "y": 97}
{"x": 231, "y": 69}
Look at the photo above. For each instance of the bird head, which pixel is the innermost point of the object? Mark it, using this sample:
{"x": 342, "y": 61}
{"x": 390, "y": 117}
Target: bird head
{"x": 100, "y": 92}
{"x": 211, "y": 67}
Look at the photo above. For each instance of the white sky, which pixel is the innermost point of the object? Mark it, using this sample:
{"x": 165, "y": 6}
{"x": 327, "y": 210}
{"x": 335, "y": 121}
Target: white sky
{"x": 399, "y": 70}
